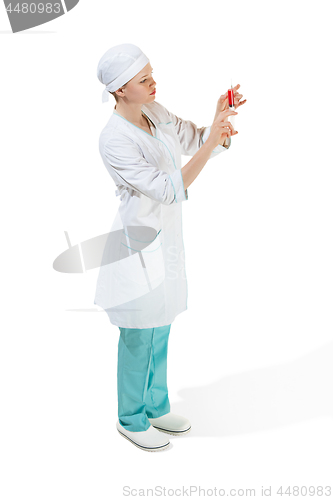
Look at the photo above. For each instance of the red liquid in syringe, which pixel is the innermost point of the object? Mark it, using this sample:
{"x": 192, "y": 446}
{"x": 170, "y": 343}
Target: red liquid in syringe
{"x": 231, "y": 98}
{"x": 231, "y": 118}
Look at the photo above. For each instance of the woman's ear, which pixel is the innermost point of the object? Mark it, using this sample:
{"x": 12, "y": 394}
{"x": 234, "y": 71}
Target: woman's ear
{"x": 120, "y": 92}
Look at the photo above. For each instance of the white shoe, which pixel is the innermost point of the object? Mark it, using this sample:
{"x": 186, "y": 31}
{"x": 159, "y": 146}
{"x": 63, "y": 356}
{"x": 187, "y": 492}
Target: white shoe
{"x": 149, "y": 440}
{"x": 171, "y": 424}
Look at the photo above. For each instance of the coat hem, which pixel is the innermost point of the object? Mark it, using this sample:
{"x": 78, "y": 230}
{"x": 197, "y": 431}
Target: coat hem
{"x": 168, "y": 322}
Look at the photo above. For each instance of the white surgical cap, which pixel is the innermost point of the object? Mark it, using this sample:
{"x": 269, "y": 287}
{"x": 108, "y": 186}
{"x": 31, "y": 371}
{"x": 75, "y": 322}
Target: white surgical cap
{"x": 118, "y": 66}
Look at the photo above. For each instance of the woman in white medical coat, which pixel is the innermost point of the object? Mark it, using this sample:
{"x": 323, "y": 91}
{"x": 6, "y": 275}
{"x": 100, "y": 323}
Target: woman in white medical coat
{"x": 142, "y": 279}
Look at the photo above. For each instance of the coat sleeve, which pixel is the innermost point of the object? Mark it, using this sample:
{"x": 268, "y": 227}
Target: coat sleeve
{"x": 191, "y": 137}
{"x": 128, "y": 167}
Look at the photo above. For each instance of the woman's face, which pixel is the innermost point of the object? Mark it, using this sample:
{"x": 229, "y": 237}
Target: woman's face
{"x": 139, "y": 89}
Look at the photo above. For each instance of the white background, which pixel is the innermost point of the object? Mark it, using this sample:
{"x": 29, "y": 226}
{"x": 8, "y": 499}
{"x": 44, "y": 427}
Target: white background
{"x": 250, "y": 361}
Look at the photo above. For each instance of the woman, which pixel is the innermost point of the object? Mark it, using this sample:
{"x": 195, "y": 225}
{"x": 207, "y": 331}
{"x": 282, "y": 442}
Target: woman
{"x": 142, "y": 282}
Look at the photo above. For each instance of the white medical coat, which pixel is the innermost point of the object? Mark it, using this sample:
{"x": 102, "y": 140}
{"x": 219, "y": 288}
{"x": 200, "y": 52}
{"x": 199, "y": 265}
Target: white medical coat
{"x": 147, "y": 289}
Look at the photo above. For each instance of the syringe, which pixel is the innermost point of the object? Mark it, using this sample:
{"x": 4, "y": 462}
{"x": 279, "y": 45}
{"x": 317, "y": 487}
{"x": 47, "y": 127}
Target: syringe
{"x": 231, "y": 118}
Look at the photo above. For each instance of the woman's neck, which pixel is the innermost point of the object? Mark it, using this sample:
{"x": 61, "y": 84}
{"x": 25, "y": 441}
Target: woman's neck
{"x": 131, "y": 112}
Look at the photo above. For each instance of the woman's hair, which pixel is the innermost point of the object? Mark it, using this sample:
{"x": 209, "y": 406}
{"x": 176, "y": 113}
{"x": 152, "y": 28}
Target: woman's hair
{"x": 115, "y": 96}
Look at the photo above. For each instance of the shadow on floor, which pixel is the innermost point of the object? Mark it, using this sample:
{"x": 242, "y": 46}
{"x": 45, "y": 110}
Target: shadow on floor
{"x": 262, "y": 399}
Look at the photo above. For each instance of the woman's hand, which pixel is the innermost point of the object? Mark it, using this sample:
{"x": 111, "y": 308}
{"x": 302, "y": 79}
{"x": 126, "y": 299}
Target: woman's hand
{"x": 221, "y": 128}
{"x": 237, "y": 97}
{"x": 222, "y": 105}
{"x": 223, "y": 102}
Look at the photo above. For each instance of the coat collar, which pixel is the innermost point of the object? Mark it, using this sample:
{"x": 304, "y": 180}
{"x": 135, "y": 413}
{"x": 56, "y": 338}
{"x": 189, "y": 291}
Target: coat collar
{"x": 144, "y": 111}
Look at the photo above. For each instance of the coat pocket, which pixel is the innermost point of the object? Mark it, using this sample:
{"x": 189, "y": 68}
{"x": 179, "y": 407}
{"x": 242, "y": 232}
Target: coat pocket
{"x": 144, "y": 261}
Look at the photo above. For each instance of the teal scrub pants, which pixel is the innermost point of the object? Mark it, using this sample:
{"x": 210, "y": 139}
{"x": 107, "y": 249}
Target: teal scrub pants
{"x": 142, "y": 376}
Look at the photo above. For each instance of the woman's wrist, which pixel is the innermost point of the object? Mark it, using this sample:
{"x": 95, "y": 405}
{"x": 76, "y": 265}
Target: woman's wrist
{"x": 210, "y": 144}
